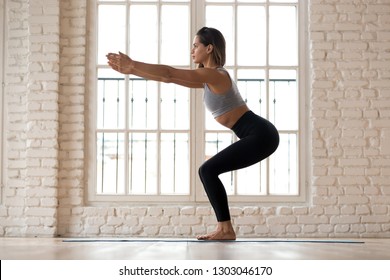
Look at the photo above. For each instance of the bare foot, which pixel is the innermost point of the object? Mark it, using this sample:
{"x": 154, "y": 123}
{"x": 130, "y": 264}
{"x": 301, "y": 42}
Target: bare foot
{"x": 224, "y": 231}
{"x": 218, "y": 235}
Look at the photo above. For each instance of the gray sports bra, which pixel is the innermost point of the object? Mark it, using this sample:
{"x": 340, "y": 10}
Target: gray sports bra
{"x": 219, "y": 104}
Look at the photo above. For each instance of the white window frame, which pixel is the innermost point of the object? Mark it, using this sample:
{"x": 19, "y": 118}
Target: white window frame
{"x": 197, "y": 129}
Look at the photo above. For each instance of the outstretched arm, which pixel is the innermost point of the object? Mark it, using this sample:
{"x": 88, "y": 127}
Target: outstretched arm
{"x": 163, "y": 73}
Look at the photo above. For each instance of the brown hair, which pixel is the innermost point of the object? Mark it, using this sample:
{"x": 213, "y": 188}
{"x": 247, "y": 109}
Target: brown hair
{"x": 207, "y": 36}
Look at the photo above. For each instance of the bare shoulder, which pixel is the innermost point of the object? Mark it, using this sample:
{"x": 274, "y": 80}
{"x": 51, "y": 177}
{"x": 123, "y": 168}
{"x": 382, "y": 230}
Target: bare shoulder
{"x": 211, "y": 72}
{"x": 218, "y": 80}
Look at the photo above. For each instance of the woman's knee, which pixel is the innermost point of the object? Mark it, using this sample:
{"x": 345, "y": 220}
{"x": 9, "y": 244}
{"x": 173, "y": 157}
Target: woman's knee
{"x": 202, "y": 171}
{"x": 205, "y": 171}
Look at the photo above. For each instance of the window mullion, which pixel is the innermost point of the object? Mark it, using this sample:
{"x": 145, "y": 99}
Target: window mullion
{"x": 302, "y": 86}
{"x": 127, "y": 94}
{"x": 267, "y": 90}
{"x": 198, "y": 108}
{"x": 235, "y": 71}
{"x": 158, "y": 136}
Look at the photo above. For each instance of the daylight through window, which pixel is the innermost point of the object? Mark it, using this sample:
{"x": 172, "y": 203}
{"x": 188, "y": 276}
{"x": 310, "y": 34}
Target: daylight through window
{"x": 151, "y": 137}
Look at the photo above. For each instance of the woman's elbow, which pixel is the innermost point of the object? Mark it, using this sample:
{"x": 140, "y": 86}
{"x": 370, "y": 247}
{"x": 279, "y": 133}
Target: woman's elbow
{"x": 166, "y": 80}
{"x": 167, "y": 77}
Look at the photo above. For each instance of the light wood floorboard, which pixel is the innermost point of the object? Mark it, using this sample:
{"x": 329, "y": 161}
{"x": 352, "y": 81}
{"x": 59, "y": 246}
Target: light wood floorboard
{"x": 165, "y": 249}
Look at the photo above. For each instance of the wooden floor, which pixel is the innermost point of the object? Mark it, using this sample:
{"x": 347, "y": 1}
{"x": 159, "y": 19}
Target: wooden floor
{"x": 181, "y": 249}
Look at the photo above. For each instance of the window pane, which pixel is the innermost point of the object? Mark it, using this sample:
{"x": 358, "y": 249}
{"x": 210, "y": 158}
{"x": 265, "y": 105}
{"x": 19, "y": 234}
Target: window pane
{"x": 142, "y": 163}
{"x": 175, "y": 163}
{"x": 216, "y": 142}
{"x": 253, "y": 90}
{"x": 283, "y": 44}
{"x": 284, "y": 166}
{"x": 110, "y": 99}
{"x": 110, "y": 163}
{"x": 283, "y": 99}
{"x": 221, "y": 18}
{"x": 175, "y": 48}
{"x": 251, "y": 37}
{"x": 211, "y": 123}
{"x": 142, "y": 104}
{"x": 252, "y": 180}
{"x": 175, "y": 107}
{"x": 111, "y": 30}
{"x": 144, "y": 33}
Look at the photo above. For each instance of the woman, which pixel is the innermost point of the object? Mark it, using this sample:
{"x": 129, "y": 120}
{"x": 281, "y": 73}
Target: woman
{"x": 258, "y": 137}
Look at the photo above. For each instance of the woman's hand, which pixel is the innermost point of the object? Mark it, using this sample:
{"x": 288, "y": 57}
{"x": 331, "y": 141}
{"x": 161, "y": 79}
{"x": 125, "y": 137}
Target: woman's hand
{"x": 120, "y": 62}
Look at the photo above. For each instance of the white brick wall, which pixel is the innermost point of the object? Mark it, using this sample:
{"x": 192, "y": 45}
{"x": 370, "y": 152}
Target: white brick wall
{"x": 46, "y": 100}
{"x": 13, "y": 220}
{"x": 350, "y": 67}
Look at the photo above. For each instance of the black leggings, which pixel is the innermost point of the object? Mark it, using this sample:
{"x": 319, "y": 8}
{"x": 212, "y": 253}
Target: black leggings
{"x": 258, "y": 140}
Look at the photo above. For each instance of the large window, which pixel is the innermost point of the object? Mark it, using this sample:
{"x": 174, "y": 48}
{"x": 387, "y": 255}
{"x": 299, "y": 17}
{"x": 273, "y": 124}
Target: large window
{"x": 149, "y": 138}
